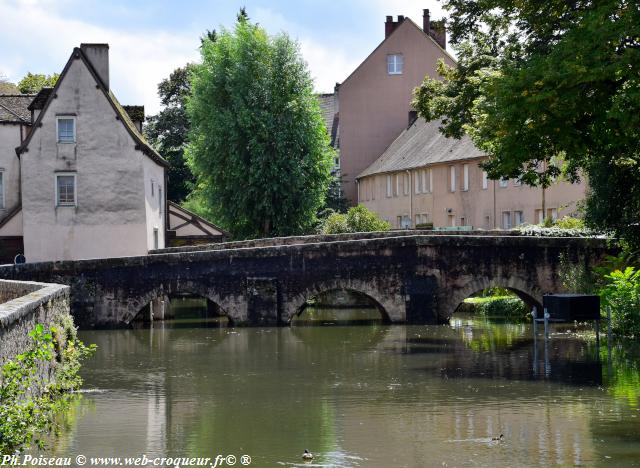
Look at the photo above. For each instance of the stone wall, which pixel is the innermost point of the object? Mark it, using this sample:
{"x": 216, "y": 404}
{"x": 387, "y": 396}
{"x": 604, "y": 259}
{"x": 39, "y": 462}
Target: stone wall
{"x": 23, "y": 304}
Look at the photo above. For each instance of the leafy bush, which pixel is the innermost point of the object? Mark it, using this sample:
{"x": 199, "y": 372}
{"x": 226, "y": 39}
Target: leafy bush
{"x": 28, "y": 404}
{"x": 568, "y": 222}
{"x": 424, "y": 226}
{"x": 622, "y": 295}
{"x": 357, "y": 219}
{"x": 511, "y": 307}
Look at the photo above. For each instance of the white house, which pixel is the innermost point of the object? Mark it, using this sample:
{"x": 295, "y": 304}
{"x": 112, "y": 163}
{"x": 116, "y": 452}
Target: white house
{"x": 83, "y": 182}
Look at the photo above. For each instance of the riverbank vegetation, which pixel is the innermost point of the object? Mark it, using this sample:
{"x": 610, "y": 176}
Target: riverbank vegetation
{"x": 30, "y": 394}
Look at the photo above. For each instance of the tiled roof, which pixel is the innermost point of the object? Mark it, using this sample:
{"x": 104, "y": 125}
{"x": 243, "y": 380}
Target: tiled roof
{"x": 329, "y": 109}
{"x": 14, "y": 108}
{"x": 420, "y": 145}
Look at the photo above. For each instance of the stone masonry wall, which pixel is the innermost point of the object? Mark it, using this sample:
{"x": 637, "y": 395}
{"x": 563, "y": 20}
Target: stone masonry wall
{"x": 23, "y": 304}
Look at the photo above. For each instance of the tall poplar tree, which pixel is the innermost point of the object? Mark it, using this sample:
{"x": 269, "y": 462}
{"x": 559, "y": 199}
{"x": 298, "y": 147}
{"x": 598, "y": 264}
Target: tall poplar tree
{"x": 258, "y": 146}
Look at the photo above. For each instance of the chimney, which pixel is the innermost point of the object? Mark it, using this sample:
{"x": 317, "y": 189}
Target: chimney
{"x": 426, "y": 25}
{"x": 98, "y": 56}
{"x": 439, "y": 32}
{"x": 389, "y": 26}
{"x": 400, "y": 18}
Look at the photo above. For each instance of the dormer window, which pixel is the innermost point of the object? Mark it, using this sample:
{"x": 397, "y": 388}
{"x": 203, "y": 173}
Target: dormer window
{"x": 395, "y": 64}
{"x": 66, "y": 129}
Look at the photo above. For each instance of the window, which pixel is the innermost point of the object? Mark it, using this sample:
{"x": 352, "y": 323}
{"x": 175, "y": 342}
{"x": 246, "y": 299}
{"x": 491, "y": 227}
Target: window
{"x": 65, "y": 189}
{"x": 399, "y": 222}
{"x": 504, "y": 183}
{"x": 452, "y": 171}
{"x": 552, "y": 213}
{"x": 395, "y": 64}
{"x": 517, "y": 182}
{"x": 405, "y": 183}
{"x": 485, "y": 180}
{"x": 518, "y": 218}
{"x": 397, "y": 191}
{"x": 463, "y": 222}
{"x": 426, "y": 180}
{"x": 66, "y": 129}
{"x": 506, "y": 220}
{"x": 1, "y": 189}
{"x": 465, "y": 178}
{"x": 539, "y": 216}
{"x": 421, "y": 219}
{"x": 372, "y": 186}
{"x": 160, "y": 200}
{"x": 417, "y": 182}
{"x": 452, "y": 220}
{"x": 156, "y": 242}
{"x": 153, "y": 188}
{"x": 389, "y": 187}
{"x": 406, "y": 222}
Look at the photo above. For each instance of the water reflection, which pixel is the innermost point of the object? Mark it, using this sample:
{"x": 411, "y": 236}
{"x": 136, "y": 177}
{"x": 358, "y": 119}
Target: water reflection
{"x": 375, "y": 396}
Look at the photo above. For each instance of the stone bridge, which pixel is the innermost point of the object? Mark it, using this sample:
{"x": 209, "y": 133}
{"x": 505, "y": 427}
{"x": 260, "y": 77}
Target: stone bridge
{"x": 412, "y": 277}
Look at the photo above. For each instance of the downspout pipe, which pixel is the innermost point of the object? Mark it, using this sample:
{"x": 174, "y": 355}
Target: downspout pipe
{"x": 410, "y": 198}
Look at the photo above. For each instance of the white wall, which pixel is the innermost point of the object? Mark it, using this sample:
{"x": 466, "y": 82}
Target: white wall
{"x": 110, "y": 217}
{"x": 154, "y": 214}
{"x": 10, "y": 165}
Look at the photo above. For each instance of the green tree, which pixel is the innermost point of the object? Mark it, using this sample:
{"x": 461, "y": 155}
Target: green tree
{"x": 547, "y": 89}
{"x": 357, "y": 219}
{"x": 32, "y": 83}
{"x": 258, "y": 146}
{"x": 6, "y": 87}
{"x": 168, "y": 132}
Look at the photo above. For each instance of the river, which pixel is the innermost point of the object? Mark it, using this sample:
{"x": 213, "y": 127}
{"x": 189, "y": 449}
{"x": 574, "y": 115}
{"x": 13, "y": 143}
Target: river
{"x": 358, "y": 396}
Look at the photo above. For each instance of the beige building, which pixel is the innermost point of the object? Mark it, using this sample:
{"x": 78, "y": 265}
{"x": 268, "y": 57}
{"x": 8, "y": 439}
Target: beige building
{"x": 374, "y": 101}
{"x": 424, "y": 177}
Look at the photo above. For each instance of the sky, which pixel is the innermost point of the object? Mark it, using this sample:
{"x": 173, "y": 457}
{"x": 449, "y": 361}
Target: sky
{"x": 149, "y": 39}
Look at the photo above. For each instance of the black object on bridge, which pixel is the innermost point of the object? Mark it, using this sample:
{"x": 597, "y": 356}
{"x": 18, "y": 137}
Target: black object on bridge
{"x": 572, "y": 307}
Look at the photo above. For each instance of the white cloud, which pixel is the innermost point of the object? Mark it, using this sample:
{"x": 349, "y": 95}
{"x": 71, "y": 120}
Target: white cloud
{"x": 138, "y": 61}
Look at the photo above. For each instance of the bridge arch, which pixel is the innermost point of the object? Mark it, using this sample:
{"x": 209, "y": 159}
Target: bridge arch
{"x": 385, "y": 305}
{"x": 530, "y": 295}
{"x": 132, "y": 307}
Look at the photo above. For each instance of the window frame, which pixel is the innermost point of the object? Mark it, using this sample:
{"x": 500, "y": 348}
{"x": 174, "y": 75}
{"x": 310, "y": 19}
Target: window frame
{"x": 393, "y": 59}
{"x": 2, "y": 190}
{"x": 518, "y": 218}
{"x": 507, "y": 215}
{"x": 485, "y": 180}
{"x": 75, "y": 188}
{"x": 389, "y": 186}
{"x": 465, "y": 177}
{"x": 406, "y": 183}
{"x": 452, "y": 179}
{"x": 66, "y": 117}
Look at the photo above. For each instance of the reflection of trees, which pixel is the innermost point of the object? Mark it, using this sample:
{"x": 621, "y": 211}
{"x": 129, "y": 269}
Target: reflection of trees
{"x": 621, "y": 375}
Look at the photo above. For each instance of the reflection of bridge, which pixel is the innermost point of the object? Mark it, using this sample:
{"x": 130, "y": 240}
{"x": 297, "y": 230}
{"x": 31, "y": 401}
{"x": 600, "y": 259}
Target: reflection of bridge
{"x": 412, "y": 278}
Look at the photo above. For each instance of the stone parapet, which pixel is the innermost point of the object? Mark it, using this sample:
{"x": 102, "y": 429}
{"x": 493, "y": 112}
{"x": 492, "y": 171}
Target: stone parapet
{"x": 23, "y": 305}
